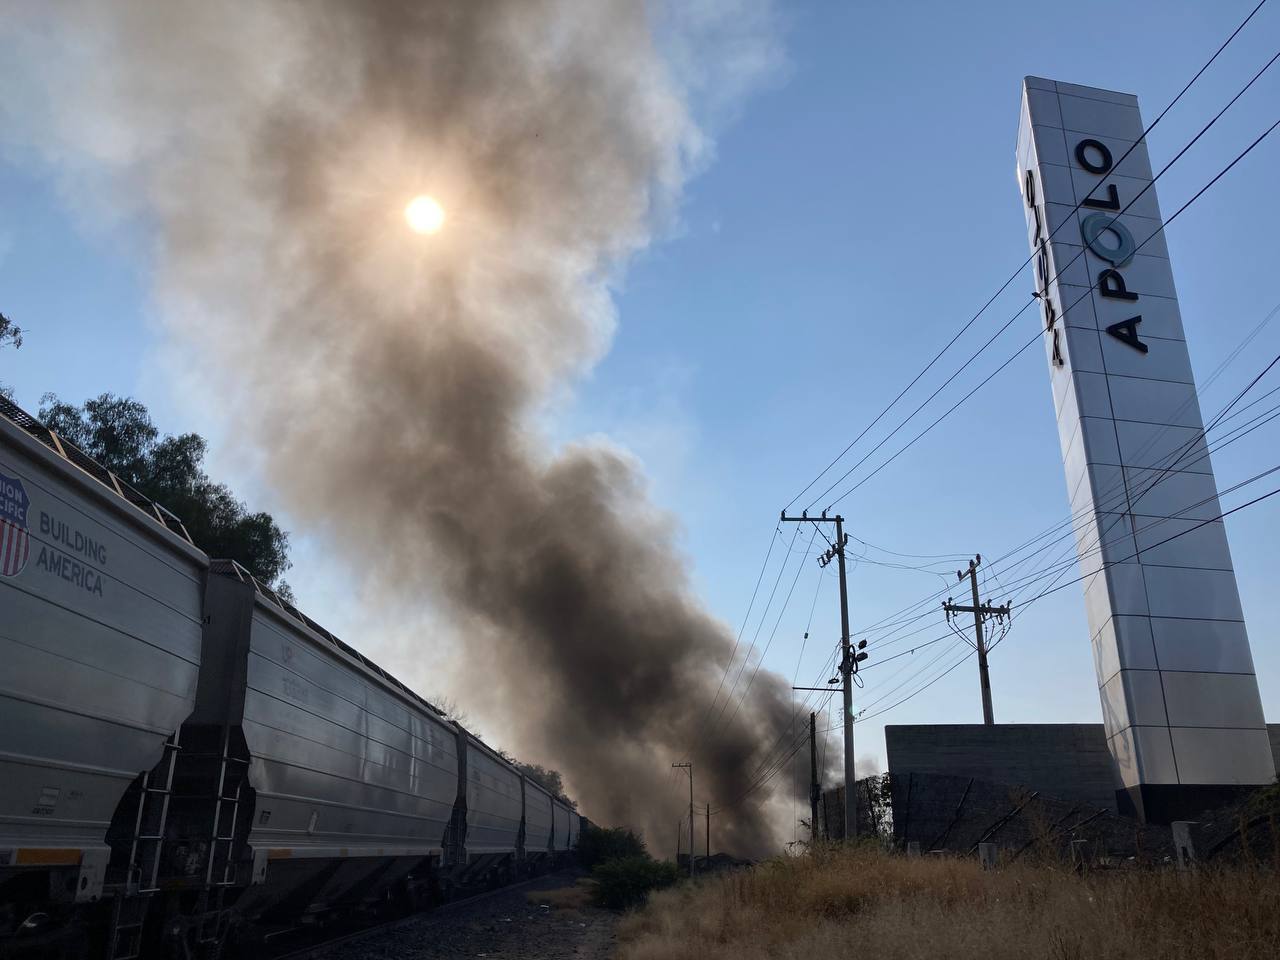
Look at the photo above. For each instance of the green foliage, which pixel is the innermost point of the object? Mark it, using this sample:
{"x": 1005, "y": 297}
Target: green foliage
{"x": 119, "y": 434}
{"x": 621, "y": 867}
{"x": 597, "y": 845}
{"x": 550, "y": 780}
{"x": 10, "y": 332}
{"x": 627, "y": 881}
{"x": 875, "y": 806}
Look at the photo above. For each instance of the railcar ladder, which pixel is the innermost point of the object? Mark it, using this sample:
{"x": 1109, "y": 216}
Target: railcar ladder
{"x": 213, "y": 920}
{"x": 153, "y": 816}
{"x": 129, "y": 911}
{"x": 221, "y": 868}
{"x": 127, "y": 917}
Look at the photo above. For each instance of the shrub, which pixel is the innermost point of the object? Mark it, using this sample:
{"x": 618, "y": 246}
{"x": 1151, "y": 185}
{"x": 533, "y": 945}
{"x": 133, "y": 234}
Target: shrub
{"x": 627, "y": 881}
{"x": 596, "y": 845}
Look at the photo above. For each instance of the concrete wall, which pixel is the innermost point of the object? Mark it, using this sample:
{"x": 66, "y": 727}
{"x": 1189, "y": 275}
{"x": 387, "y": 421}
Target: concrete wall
{"x": 957, "y": 813}
{"x": 1069, "y": 761}
{"x": 954, "y": 785}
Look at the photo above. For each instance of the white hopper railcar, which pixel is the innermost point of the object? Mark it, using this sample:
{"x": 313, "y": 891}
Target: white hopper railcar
{"x": 188, "y": 761}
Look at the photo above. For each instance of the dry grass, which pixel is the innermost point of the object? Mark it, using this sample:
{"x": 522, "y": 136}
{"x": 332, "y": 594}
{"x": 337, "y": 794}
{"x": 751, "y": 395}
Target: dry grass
{"x": 838, "y": 904}
{"x": 566, "y": 898}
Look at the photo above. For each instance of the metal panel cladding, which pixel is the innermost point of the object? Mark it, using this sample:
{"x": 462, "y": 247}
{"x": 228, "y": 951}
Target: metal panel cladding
{"x": 100, "y": 612}
{"x": 537, "y": 818}
{"x": 560, "y": 814}
{"x": 343, "y": 765}
{"x": 1175, "y": 675}
{"x": 493, "y": 801}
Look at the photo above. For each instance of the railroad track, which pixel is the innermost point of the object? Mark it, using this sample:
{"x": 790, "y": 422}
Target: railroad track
{"x": 437, "y": 912}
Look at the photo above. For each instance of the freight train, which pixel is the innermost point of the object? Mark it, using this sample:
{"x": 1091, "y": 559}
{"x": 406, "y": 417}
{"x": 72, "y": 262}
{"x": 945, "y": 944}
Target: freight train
{"x": 189, "y": 762}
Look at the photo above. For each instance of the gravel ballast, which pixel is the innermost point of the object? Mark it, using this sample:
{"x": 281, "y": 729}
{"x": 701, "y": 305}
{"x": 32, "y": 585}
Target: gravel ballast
{"x": 516, "y": 924}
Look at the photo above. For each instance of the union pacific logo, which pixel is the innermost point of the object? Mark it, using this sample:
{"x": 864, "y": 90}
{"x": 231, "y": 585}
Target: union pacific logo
{"x": 15, "y": 541}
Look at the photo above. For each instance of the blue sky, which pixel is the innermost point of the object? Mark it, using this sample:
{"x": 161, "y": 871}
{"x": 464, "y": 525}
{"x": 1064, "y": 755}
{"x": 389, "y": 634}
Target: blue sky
{"x": 857, "y": 211}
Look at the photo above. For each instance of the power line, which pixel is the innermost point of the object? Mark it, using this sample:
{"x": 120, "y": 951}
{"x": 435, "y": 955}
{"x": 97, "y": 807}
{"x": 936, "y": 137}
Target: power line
{"x": 772, "y": 635}
{"x": 1023, "y": 582}
{"x": 1150, "y": 184}
{"x": 946, "y": 383}
{"x": 762, "y": 780}
{"x": 1061, "y": 586}
{"x": 896, "y": 637}
{"x": 1065, "y": 563}
{"x": 931, "y": 363}
{"x": 1157, "y": 232}
{"x": 1117, "y": 492}
{"x": 773, "y": 540}
{"x": 867, "y": 704}
{"x": 915, "y": 693}
{"x": 768, "y": 770}
{"x": 1062, "y": 566}
{"x": 948, "y": 557}
{"x": 1249, "y": 427}
{"x": 781, "y": 763}
{"x": 1161, "y": 471}
{"x": 807, "y": 627}
{"x": 1098, "y": 546}
{"x": 756, "y": 636}
{"x": 1185, "y": 405}
{"x": 1170, "y": 539}
{"x": 770, "y": 758}
{"x": 1016, "y": 273}
{"x": 881, "y": 661}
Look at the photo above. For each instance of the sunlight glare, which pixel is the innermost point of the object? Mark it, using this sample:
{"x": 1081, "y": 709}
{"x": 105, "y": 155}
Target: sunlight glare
{"x": 424, "y": 214}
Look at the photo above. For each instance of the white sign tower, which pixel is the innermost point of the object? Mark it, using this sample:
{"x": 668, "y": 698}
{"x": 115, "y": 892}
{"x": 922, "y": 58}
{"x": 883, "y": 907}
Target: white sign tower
{"x": 1179, "y": 697}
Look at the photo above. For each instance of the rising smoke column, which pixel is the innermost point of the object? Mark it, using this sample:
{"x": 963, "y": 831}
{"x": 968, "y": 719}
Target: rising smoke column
{"x": 391, "y": 382}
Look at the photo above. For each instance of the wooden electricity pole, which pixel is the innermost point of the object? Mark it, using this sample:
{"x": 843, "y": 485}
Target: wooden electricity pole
{"x": 849, "y": 661}
{"x": 708, "y": 833}
{"x": 815, "y": 789}
{"x": 980, "y": 612}
{"x": 689, "y": 768}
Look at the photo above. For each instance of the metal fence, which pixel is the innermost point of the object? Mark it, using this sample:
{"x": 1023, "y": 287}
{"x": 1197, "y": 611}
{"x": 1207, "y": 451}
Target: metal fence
{"x": 955, "y": 814}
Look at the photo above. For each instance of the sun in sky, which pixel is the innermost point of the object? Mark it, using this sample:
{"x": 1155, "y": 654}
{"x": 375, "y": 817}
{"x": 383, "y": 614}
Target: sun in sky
{"x": 424, "y": 214}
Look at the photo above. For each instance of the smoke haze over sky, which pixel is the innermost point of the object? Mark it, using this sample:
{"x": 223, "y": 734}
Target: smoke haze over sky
{"x": 391, "y": 383}
{"x": 849, "y": 217}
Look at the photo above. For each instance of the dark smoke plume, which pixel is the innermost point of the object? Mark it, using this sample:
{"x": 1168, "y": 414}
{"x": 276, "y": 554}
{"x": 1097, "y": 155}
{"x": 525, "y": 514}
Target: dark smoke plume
{"x": 391, "y": 382}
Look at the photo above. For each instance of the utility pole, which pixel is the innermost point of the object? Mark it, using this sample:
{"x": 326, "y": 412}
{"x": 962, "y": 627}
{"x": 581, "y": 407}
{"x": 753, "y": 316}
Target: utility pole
{"x": 708, "y": 834}
{"x": 848, "y": 661}
{"x": 980, "y": 612}
{"x": 815, "y": 791}
{"x": 689, "y": 768}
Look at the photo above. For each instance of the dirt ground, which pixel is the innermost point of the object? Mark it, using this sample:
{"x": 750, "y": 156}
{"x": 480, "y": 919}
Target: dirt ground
{"x": 549, "y": 919}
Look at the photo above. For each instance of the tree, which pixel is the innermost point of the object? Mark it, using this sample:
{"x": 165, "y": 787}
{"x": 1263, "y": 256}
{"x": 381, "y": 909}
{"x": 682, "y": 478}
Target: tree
{"x": 875, "y": 806}
{"x": 10, "y": 332}
{"x": 119, "y": 434}
{"x": 598, "y": 845}
{"x": 452, "y": 711}
{"x": 10, "y": 335}
{"x": 550, "y": 780}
